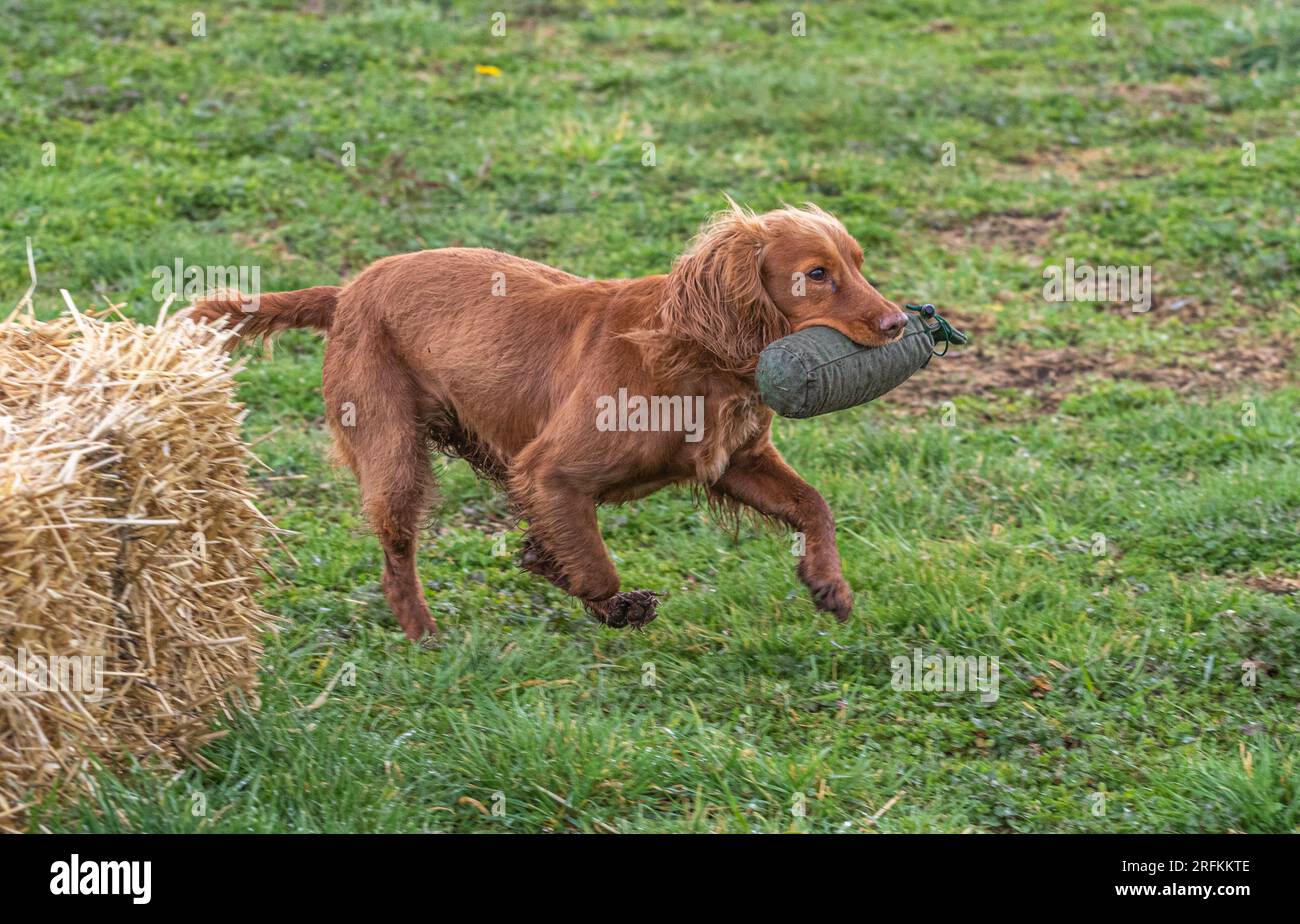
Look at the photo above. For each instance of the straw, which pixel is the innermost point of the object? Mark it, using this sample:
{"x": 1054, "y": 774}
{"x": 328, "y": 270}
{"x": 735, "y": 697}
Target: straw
{"x": 127, "y": 531}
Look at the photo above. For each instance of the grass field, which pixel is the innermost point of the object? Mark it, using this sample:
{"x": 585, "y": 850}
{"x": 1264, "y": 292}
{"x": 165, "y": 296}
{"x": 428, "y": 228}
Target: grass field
{"x": 1170, "y": 433}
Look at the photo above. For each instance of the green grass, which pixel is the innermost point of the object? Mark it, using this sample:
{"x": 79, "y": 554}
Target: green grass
{"x": 1120, "y": 672}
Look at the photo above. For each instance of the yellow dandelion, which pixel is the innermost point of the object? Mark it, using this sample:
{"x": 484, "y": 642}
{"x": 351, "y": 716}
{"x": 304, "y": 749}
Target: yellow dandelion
{"x": 490, "y": 69}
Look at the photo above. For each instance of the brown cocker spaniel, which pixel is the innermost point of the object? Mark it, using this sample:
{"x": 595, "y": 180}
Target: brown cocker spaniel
{"x": 541, "y": 381}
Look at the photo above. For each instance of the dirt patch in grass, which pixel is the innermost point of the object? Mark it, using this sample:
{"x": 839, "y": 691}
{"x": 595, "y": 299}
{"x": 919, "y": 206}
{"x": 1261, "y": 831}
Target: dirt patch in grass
{"x": 1194, "y": 92}
{"x": 1100, "y": 168}
{"x": 485, "y": 518}
{"x": 1048, "y": 376}
{"x": 938, "y": 25}
{"x": 1070, "y": 163}
{"x": 1011, "y": 230}
{"x": 1275, "y": 583}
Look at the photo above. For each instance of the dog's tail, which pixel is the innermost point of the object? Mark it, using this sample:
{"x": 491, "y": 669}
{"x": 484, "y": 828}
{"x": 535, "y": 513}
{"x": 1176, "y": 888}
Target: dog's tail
{"x": 265, "y": 314}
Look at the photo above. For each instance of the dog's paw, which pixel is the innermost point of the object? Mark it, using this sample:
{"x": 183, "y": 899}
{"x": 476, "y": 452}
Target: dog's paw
{"x": 833, "y": 596}
{"x": 632, "y": 609}
{"x": 431, "y": 641}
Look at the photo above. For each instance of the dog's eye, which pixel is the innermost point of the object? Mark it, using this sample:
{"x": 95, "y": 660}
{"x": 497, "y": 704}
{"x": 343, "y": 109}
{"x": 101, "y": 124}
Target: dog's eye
{"x": 817, "y": 274}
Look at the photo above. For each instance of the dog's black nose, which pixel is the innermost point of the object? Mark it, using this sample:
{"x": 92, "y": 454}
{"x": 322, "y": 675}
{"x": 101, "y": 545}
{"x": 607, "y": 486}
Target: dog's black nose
{"x": 893, "y": 323}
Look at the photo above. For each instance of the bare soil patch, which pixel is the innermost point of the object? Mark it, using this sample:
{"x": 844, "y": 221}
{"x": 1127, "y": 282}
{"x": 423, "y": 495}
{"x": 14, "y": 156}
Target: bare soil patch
{"x": 1193, "y": 92}
{"x": 1275, "y": 583}
{"x": 1102, "y": 168}
{"x": 1012, "y": 230}
{"x": 1049, "y": 375}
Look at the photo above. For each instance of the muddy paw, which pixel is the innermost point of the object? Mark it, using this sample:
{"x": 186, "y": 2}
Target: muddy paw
{"x": 633, "y": 609}
{"x": 834, "y": 596}
{"x": 432, "y": 641}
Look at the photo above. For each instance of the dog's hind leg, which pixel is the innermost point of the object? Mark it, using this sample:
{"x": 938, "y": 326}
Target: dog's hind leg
{"x": 395, "y": 503}
{"x": 376, "y": 420}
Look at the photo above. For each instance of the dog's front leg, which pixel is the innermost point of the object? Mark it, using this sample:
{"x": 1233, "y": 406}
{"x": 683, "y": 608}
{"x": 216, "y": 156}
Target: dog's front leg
{"x": 564, "y": 546}
{"x": 759, "y": 478}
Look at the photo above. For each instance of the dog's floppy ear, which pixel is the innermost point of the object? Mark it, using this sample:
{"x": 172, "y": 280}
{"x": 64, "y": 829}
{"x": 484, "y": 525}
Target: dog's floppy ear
{"x": 714, "y": 296}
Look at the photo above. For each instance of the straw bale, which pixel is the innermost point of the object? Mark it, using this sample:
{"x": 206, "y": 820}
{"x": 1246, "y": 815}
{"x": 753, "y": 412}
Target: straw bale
{"x": 128, "y": 533}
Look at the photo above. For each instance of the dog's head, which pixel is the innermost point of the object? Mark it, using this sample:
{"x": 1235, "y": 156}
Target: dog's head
{"x": 747, "y": 280}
